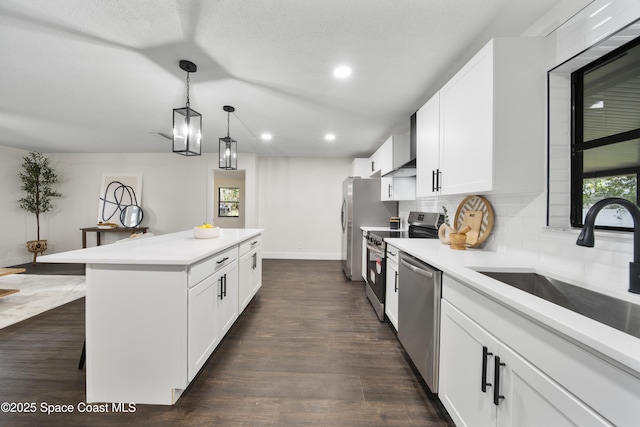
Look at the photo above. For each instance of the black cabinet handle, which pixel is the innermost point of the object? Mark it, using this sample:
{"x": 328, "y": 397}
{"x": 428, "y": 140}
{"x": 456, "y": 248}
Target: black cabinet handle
{"x": 224, "y": 278}
{"x": 222, "y": 260}
{"x": 390, "y": 195}
{"x": 438, "y": 175}
{"x": 221, "y": 294}
{"x": 396, "y": 282}
{"x": 485, "y": 355}
{"x": 372, "y": 168}
{"x": 496, "y": 381}
{"x": 434, "y": 187}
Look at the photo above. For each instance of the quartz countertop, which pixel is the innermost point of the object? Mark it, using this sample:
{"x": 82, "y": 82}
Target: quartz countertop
{"x": 179, "y": 248}
{"x": 618, "y": 347}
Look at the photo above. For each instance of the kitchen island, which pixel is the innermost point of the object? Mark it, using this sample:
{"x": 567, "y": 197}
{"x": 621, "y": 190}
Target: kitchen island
{"x": 157, "y": 307}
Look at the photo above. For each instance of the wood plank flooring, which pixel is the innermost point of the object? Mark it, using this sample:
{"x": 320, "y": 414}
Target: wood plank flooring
{"x": 307, "y": 351}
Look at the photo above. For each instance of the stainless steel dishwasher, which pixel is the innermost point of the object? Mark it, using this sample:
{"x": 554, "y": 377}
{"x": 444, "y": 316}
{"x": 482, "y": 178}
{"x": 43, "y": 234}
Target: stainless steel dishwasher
{"x": 419, "y": 292}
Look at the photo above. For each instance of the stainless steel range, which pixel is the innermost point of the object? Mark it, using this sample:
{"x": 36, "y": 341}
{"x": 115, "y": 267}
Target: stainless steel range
{"x": 421, "y": 225}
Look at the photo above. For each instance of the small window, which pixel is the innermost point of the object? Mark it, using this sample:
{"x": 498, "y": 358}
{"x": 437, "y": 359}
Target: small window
{"x": 228, "y": 202}
{"x": 605, "y": 159}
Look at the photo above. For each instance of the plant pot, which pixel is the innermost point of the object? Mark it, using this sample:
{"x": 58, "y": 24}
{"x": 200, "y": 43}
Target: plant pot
{"x": 36, "y": 247}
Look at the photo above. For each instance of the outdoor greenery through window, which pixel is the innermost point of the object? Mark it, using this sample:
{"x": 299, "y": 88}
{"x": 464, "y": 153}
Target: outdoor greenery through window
{"x": 605, "y": 159}
{"x": 229, "y": 201}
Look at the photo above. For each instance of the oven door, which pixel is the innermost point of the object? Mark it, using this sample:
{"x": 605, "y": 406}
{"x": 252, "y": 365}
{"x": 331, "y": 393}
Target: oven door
{"x": 376, "y": 271}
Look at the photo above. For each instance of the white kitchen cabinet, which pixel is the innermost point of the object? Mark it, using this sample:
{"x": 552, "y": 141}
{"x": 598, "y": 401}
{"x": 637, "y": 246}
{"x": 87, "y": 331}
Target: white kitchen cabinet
{"x": 428, "y": 148}
{"x": 227, "y": 297}
{"x": 249, "y": 271}
{"x": 484, "y": 383}
{"x": 547, "y": 378}
{"x": 212, "y": 306}
{"x": 382, "y": 160}
{"x": 202, "y": 326}
{"x": 391, "y": 295}
{"x": 490, "y": 115}
{"x": 361, "y": 167}
{"x": 397, "y": 188}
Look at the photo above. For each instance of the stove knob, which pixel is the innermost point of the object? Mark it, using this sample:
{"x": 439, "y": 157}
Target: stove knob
{"x": 378, "y": 243}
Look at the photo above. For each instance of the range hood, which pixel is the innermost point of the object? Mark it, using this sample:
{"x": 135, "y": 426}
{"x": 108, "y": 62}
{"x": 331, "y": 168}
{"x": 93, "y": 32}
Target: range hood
{"x": 407, "y": 169}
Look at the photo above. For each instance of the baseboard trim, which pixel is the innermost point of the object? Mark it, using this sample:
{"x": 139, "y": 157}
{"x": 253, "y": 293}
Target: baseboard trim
{"x": 302, "y": 255}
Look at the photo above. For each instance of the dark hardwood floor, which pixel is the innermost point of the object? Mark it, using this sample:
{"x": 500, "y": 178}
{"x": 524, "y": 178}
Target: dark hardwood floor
{"x": 307, "y": 351}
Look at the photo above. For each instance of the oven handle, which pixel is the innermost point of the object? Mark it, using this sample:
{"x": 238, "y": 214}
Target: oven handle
{"x": 376, "y": 250}
{"x": 415, "y": 269}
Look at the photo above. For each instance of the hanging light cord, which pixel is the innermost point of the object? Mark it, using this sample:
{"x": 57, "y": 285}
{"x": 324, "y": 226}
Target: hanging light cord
{"x": 187, "y": 89}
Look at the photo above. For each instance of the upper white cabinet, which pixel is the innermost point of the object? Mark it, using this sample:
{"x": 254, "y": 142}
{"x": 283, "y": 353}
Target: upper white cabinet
{"x": 361, "y": 167}
{"x": 490, "y": 124}
{"x": 382, "y": 159}
{"x": 398, "y": 188}
{"x": 428, "y": 147}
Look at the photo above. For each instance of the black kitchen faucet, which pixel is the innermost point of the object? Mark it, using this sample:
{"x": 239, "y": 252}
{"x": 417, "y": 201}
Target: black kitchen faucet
{"x": 586, "y": 237}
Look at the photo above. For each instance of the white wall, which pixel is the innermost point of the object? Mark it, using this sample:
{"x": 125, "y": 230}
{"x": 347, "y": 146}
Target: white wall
{"x": 520, "y": 226}
{"x": 16, "y": 225}
{"x": 299, "y": 206}
{"x": 297, "y": 200}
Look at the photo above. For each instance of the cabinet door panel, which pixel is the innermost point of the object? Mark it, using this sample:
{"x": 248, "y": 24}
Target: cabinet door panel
{"x": 391, "y": 300}
{"x": 428, "y": 147}
{"x": 256, "y": 275}
{"x": 228, "y": 298}
{"x": 532, "y": 399}
{"x": 461, "y": 368}
{"x": 202, "y": 325}
{"x": 245, "y": 277}
{"x": 466, "y": 126}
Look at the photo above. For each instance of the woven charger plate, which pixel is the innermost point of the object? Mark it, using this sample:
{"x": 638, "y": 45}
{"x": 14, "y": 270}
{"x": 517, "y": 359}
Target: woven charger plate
{"x": 476, "y": 203}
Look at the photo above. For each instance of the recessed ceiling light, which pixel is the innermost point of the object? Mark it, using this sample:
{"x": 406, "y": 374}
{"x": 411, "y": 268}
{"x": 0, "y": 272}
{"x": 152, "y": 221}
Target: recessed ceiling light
{"x": 342, "y": 72}
{"x": 266, "y": 136}
{"x": 330, "y": 137}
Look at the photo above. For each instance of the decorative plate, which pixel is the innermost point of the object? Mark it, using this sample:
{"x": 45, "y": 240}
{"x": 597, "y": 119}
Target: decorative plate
{"x": 477, "y": 204}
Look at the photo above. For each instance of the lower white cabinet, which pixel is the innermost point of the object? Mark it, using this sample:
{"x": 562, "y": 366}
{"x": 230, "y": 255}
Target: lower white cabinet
{"x": 204, "y": 332}
{"x": 391, "y": 296}
{"x": 250, "y": 271}
{"x": 213, "y": 308}
{"x": 498, "y": 368}
{"x": 484, "y": 383}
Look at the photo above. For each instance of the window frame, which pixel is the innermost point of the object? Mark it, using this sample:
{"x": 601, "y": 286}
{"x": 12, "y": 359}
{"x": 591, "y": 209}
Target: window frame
{"x": 578, "y": 146}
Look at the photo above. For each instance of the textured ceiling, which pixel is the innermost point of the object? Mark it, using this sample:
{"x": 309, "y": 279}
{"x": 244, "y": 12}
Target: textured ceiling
{"x": 102, "y": 76}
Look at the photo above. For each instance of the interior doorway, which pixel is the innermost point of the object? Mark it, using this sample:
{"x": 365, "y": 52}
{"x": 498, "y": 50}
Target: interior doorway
{"x": 229, "y": 196}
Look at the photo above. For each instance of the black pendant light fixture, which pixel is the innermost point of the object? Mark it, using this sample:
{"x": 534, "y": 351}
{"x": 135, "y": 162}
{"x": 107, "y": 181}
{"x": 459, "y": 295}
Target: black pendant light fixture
{"x": 187, "y": 123}
{"x": 228, "y": 147}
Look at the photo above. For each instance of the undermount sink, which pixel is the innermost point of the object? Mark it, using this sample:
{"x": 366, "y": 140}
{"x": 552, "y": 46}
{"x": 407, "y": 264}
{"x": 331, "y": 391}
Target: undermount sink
{"x": 621, "y": 315}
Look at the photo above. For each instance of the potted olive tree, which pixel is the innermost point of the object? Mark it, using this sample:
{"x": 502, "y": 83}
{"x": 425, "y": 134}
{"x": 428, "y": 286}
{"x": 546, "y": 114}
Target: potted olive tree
{"x": 37, "y": 179}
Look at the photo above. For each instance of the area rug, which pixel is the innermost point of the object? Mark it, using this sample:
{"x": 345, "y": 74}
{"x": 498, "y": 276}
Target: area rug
{"x": 38, "y": 293}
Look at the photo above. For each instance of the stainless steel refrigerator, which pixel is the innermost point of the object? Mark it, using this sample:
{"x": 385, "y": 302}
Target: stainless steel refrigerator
{"x": 361, "y": 207}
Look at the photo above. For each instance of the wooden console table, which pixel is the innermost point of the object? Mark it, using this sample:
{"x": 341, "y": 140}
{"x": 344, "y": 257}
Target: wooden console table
{"x": 5, "y": 272}
{"x": 108, "y": 230}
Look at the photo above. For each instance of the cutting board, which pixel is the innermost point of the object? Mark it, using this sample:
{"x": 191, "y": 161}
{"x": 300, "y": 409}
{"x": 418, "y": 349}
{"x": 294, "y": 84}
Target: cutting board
{"x": 481, "y": 225}
{"x": 472, "y": 219}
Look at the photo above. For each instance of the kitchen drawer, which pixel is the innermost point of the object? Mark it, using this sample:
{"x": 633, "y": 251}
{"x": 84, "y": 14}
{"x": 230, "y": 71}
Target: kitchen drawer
{"x": 208, "y": 266}
{"x": 249, "y": 244}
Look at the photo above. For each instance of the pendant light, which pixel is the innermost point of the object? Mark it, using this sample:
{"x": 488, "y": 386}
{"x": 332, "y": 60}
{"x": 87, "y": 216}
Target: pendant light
{"x": 187, "y": 123}
{"x": 228, "y": 150}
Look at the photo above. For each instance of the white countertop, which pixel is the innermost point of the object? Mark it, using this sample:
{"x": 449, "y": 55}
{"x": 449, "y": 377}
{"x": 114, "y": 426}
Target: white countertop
{"x": 620, "y": 348}
{"x": 179, "y": 248}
